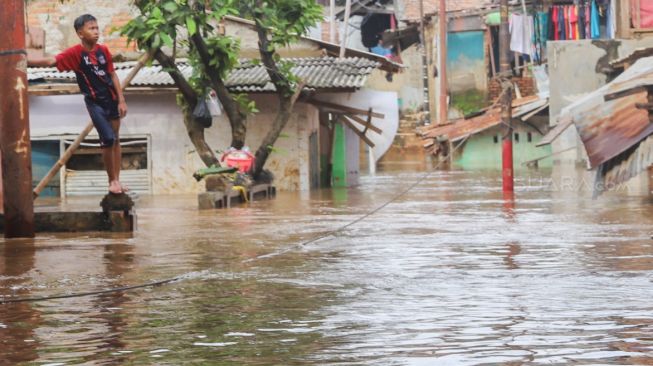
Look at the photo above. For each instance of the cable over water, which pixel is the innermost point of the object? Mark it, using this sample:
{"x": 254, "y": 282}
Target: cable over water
{"x": 157, "y": 283}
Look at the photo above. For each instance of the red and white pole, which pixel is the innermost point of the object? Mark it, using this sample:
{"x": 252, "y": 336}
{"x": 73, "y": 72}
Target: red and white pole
{"x": 506, "y": 98}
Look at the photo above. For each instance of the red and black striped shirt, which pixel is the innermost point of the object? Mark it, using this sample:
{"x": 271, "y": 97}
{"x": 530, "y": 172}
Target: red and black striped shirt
{"x": 92, "y": 68}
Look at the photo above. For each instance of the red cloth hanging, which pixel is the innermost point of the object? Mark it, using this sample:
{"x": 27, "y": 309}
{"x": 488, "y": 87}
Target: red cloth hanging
{"x": 646, "y": 13}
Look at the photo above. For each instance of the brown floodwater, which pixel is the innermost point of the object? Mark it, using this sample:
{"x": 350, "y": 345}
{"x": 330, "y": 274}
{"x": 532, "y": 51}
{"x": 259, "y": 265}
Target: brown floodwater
{"x": 450, "y": 273}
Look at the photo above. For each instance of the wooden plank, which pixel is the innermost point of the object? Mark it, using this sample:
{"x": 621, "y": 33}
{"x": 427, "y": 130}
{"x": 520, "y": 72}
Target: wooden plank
{"x": 623, "y": 22}
{"x": 363, "y": 137}
{"x": 61, "y": 89}
{"x": 364, "y": 123}
{"x": 343, "y": 108}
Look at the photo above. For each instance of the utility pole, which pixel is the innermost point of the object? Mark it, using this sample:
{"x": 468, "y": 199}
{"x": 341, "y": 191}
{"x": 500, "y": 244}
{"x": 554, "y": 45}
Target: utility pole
{"x": 425, "y": 67}
{"x": 506, "y": 98}
{"x": 442, "y": 64}
{"x": 14, "y": 123}
{"x": 343, "y": 43}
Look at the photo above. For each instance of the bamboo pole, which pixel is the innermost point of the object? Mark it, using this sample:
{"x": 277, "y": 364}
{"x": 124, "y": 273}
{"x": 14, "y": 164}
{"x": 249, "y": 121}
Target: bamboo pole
{"x": 78, "y": 141}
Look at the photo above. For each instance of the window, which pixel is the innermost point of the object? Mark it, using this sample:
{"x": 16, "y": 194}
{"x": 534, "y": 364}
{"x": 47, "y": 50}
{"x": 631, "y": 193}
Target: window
{"x": 496, "y": 139}
{"x": 529, "y": 137}
{"x": 516, "y": 136}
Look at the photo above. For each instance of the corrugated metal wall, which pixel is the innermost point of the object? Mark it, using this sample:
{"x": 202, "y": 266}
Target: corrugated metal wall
{"x": 94, "y": 182}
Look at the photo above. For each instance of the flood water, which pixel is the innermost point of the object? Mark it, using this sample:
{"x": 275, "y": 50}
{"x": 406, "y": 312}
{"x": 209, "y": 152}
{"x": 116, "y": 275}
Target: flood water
{"x": 448, "y": 274}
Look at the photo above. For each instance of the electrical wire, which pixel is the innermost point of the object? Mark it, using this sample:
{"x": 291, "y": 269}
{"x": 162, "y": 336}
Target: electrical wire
{"x": 263, "y": 256}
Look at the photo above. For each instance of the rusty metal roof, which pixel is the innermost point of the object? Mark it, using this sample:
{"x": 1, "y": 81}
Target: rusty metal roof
{"x": 626, "y": 166}
{"x": 608, "y": 128}
{"x": 319, "y": 73}
{"x": 555, "y": 132}
{"x": 461, "y": 128}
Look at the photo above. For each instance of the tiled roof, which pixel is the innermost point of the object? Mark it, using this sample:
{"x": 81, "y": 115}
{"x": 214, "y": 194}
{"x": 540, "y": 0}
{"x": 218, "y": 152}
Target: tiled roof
{"x": 319, "y": 73}
{"x": 411, "y": 7}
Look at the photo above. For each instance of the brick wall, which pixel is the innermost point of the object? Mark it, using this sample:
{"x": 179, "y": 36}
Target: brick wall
{"x": 56, "y": 19}
{"x": 526, "y": 87}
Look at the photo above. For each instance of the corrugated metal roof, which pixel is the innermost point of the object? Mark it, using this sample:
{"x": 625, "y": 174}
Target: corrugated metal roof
{"x": 555, "y": 132}
{"x": 460, "y": 129}
{"x": 609, "y": 128}
{"x": 318, "y": 73}
{"x": 628, "y": 166}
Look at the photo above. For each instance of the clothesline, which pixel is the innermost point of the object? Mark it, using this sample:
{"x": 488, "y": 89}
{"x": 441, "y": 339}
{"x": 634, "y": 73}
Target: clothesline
{"x": 585, "y": 19}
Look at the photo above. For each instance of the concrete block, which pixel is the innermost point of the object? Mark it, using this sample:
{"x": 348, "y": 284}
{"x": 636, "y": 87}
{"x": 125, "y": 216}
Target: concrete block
{"x": 217, "y": 183}
{"x": 117, "y": 202}
{"x": 209, "y": 200}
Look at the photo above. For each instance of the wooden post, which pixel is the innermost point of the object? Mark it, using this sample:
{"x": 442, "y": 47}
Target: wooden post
{"x": 89, "y": 127}
{"x": 1, "y": 201}
{"x": 16, "y": 163}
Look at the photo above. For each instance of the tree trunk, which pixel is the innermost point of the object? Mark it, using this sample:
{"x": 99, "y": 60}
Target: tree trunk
{"x": 234, "y": 115}
{"x": 194, "y": 130}
{"x": 287, "y": 98}
{"x": 196, "y": 134}
{"x": 280, "y": 121}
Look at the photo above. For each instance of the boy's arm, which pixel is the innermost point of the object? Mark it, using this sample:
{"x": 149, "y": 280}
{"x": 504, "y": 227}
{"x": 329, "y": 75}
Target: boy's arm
{"x": 122, "y": 105}
{"x": 45, "y": 61}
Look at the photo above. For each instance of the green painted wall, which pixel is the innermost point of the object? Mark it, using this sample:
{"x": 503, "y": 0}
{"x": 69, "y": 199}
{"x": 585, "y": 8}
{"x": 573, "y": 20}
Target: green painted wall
{"x": 483, "y": 151}
{"x": 339, "y": 158}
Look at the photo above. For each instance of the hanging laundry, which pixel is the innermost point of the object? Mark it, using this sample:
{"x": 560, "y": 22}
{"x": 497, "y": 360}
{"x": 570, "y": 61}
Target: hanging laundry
{"x": 543, "y": 25}
{"x": 594, "y": 15}
{"x": 521, "y": 34}
{"x": 541, "y": 34}
{"x": 568, "y": 34}
{"x": 581, "y": 20}
{"x": 555, "y": 23}
{"x": 612, "y": 21}
{"x": 645, "y": 13}
{"x": 551, "y": 24}
{"x": 561, "y": 23}
{"x": 588, "y": 23}
{"x": 573, "y": 22}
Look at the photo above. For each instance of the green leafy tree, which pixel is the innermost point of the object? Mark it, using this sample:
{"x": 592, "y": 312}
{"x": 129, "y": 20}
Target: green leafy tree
{"x": 194, "y": 24}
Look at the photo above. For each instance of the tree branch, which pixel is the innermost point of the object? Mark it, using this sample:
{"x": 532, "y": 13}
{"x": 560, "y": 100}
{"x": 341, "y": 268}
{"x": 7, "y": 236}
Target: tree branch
{"x": 235, "y": 115}
{"x": 184, "y": 87}
{"x": 267, "y": 57}
{"x": 231, "y": 107}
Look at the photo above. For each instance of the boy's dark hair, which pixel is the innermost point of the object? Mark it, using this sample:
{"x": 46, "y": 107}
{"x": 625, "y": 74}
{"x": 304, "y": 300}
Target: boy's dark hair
{"x": 83, "y": 19}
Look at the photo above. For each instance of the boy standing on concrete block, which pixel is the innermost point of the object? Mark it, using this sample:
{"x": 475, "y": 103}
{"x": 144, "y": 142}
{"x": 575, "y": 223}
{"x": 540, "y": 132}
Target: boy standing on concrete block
{"x": 100, "y": 86}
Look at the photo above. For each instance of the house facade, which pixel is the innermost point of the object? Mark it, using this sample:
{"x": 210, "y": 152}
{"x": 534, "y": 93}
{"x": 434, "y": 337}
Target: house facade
{"x": 158, "y": 155}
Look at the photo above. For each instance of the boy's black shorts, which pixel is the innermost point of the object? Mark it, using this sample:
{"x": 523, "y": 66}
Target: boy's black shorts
{"x": 102, "y": 112}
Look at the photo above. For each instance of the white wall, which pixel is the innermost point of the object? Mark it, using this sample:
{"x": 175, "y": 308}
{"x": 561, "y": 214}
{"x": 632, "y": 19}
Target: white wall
{"x": 173, "y": 157}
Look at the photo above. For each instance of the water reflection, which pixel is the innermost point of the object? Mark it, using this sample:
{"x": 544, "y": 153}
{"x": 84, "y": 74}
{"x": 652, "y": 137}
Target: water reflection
{"x": 18, "y": 321}
{"x": 453, "y": 272}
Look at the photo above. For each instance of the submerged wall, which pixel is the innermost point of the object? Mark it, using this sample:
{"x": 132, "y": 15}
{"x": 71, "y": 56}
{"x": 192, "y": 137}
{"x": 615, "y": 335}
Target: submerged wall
{"x": 172, "y": 154}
